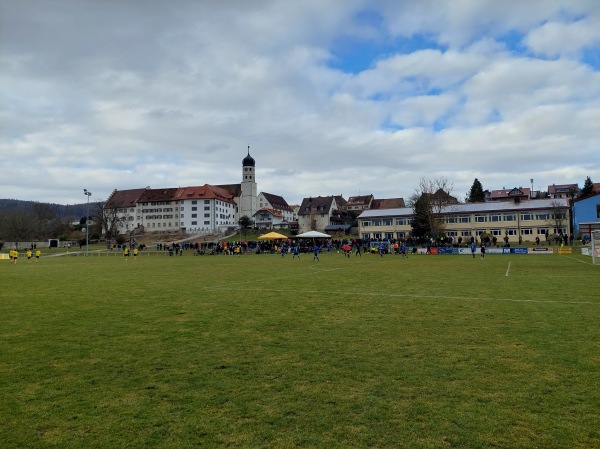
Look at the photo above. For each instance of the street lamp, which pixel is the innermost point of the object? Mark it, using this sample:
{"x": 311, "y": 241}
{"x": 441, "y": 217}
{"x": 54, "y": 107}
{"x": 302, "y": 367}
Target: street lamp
{"x": 87, "y": 193}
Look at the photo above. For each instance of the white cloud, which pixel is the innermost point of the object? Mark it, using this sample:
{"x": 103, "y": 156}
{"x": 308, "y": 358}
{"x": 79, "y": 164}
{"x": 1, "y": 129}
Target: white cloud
{"x": 119, "y": 96}
{"x": 555, "y": 38}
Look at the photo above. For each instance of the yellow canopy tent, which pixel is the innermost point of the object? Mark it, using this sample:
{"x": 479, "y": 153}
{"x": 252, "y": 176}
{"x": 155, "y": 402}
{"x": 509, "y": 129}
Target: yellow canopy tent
{"x": 272, "y": 236}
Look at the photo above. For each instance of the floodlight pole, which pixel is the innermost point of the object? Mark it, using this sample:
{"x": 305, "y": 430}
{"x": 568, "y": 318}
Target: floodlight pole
{"x": 87, "y": 193}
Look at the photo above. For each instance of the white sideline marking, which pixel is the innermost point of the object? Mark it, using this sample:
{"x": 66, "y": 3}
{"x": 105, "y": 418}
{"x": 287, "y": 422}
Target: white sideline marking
{"x": 508, "y": 269}
{"x": 577, "y": 260}
{"x": 400, "y": 295}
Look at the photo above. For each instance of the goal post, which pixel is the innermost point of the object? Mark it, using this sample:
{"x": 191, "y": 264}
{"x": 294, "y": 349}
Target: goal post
{"x": 595, "y": 241}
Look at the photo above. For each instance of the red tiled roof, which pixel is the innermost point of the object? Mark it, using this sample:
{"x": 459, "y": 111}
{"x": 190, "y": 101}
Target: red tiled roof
{"x": 510, "y": 193}
{"x": 388, "y": 203}
{"x": 270, "y": 211}
{"x": 206, "y": 191}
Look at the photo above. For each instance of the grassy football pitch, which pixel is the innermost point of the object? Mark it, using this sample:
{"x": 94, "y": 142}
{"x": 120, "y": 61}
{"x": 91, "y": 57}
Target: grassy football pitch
{"x": 270, "y": 352}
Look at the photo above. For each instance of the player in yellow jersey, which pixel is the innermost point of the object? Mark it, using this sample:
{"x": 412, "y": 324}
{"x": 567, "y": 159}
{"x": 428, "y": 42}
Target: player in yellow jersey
{"x": 38, "y": 253}
{"x": 28, "y": 253}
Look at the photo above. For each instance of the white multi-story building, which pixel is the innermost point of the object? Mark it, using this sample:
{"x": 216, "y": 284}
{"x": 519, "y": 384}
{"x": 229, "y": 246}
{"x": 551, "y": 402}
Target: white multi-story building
{"x": 195, "y": 209}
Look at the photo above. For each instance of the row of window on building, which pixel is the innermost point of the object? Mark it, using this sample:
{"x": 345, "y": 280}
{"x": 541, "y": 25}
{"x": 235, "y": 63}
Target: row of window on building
{"x": 467, "y": 233}
{"x": 478, "y": 218}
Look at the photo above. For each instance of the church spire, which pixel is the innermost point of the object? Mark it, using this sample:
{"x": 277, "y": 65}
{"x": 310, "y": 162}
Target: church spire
{"x": 248, "y": 160}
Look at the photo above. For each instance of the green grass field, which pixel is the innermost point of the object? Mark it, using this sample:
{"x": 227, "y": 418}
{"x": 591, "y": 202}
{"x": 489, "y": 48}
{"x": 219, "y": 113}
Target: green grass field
{"x": 270, "y": 352}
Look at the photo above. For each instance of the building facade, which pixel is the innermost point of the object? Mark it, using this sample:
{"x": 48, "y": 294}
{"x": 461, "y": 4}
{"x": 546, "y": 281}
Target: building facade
{"x": 317, "y": 213}
{"x": 586, "y": 214}
{"x": 195, "y": 209}
{"x": 276, "y": 203}
{"x": 526, "y": 219}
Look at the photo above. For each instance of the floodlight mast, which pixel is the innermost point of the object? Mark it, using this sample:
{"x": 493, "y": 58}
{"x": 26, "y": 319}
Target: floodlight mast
{"x": 87, "y": 193}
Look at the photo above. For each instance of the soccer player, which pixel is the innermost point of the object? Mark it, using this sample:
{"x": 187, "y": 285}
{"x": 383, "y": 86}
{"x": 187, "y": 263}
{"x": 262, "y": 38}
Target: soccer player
{"x": 38, "y": 253}
{"x": 316, "y": 253}
{"x": 28, "y": 253}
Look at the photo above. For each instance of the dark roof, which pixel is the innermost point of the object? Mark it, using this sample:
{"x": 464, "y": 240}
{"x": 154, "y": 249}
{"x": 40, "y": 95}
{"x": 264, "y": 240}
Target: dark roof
{"x": 340, "y": 201}
{"x": 441, "y": 196}
{"x": 338, "y": 227}
{"x": 234, "y": 189}
{"x": 248, "y": 160}
{"x": 150, "y": 195}
{"x": 319, "y": 204}
{"x": 123, "y": 198}
{"x": 277, "y": 201}
{"x": 363, "y": 200}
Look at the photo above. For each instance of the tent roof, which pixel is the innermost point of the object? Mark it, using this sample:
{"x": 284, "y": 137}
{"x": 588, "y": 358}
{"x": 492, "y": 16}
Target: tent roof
{"x": 273, "y": 236}
{"x": 312, "y": 234}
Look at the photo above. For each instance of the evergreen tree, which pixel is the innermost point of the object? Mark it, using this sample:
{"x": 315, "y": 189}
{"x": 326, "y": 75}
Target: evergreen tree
{"x": 421, "y": 222}
{"x": 476, "y": 194}
{"x": 588, "y": 188}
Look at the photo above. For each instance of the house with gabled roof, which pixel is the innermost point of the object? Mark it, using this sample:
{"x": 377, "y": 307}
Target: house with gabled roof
{"x": 515, "y": 194}
{"x": 366, "y": 202}
{"x": 267, "y": 218}
{"x": 563, "y": 191}
{"x": 360, "y": 202}
{"x": 316, "y": 213}
{"x": 276, "y": 203}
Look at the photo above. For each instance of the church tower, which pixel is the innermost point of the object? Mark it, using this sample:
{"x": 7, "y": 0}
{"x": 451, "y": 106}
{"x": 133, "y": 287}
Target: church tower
{"x": 248, "y": 186}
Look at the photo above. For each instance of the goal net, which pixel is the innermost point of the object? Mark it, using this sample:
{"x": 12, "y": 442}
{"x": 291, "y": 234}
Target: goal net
{"x": 595, "y": 240}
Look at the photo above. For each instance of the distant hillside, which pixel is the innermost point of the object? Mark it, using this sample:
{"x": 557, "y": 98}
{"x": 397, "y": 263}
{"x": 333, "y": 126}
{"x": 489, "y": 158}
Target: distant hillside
{"x": 59, "y": 210}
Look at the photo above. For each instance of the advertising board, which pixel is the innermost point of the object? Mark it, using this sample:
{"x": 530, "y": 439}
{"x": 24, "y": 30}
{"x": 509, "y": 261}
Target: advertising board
{"x": 543, "y": 250}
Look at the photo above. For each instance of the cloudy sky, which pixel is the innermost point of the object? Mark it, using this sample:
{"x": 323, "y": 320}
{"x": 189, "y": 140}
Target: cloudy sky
{"x": 333, "y": 97}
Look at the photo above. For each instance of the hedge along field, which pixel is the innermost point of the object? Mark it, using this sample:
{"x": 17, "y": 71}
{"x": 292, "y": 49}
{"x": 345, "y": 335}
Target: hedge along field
{"x": 266, "y": 351}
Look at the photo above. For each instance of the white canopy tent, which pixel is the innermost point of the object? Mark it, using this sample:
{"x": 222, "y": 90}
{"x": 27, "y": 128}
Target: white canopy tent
{"x": 312, "y": 235}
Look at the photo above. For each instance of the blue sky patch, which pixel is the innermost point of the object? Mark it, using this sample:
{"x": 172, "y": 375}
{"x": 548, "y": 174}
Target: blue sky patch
{"x": 354, "y": 54}
{"x": 591, "y": 57}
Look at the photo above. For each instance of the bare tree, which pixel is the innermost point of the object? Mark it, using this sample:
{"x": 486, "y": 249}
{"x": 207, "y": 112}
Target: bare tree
{"x": 109, "y": 219}
{"x": 16, "y": 226}
{"x": 558, "y": 216}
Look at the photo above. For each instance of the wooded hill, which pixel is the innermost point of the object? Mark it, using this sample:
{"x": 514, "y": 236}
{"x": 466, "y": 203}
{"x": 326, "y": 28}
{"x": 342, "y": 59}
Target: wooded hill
{"x": 59, "y": 210}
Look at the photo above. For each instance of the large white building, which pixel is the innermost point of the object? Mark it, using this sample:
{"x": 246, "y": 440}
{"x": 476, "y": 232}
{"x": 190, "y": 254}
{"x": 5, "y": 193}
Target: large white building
{"x": 194, "y": 209}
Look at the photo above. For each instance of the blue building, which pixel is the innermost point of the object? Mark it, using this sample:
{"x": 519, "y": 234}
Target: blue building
{"x": 586, "y": 214}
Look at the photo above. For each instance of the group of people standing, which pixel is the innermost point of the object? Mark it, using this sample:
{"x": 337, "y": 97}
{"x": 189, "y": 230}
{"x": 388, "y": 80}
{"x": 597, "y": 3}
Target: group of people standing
{"x": 13, "y": 254}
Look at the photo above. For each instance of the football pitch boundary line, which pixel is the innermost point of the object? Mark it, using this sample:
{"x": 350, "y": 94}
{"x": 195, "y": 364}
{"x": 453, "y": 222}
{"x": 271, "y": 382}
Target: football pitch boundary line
{"x": 402, "y": 295}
